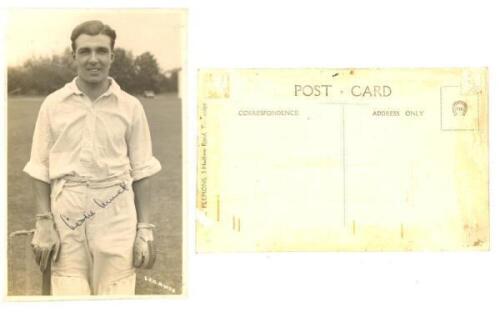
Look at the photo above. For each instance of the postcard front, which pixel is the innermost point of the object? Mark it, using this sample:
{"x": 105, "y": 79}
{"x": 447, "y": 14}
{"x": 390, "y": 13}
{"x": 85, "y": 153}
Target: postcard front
{"x": 343, "y": 159}
{"x": 95, "y": 117}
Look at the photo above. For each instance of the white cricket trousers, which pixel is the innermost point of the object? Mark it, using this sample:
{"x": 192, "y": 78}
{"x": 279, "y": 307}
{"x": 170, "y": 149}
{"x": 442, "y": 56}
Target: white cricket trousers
{"x": 97, "y": 224}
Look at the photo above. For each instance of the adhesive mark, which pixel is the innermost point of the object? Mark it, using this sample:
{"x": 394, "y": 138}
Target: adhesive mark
{"x": 353, "y": 227}
{"x": 218, "y": 208}
{"x": 402, "y": 232}
{"x": 218, "y": 85}
{"x": 236, "y": 224}
{"x": 344, "y": 166}
{"x": 478, "y": 242}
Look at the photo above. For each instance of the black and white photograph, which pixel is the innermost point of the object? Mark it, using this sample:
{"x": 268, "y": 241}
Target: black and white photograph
{"x": 94, "y": 157}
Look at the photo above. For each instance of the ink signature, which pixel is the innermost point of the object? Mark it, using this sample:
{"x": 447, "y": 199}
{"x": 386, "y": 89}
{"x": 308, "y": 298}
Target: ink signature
{"x": 107, "y": 202}
{"x": 90, "y": 213}
{"x": 86, "y": 215}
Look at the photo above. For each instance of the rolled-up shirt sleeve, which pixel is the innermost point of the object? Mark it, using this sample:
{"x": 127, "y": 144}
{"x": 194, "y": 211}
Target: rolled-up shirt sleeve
{"x": 140, "y": 150}
{"x": 38, "y": 165}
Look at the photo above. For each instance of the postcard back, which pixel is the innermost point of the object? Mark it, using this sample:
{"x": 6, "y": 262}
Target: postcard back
{"x": 343, "y": 160}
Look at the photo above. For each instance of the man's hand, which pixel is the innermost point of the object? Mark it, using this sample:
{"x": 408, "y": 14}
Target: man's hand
{"x": 46, "y": 241}
{"x": 144, "y": 251}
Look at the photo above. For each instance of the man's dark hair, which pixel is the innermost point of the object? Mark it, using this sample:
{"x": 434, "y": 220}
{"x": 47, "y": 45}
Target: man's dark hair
{"x": 93, "y": 28}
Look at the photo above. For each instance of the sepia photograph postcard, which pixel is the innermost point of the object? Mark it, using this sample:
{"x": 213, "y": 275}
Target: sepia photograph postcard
{"x": 347, "y": 159}
{"x": 95, "y": 153}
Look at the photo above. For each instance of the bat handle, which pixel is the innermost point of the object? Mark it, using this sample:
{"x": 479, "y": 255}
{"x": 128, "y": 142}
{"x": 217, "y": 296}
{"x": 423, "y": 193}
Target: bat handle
{"x": 46, "y": 276}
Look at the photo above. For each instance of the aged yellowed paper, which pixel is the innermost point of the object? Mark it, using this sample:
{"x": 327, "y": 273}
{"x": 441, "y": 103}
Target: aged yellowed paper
{"x": 343, "y": 159}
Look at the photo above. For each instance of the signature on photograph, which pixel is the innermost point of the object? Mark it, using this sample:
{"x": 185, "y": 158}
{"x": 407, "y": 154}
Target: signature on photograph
{"x": 74, "y": 223}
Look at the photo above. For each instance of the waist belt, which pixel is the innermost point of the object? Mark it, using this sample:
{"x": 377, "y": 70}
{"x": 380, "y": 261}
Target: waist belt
{"x": 71, "y": 181}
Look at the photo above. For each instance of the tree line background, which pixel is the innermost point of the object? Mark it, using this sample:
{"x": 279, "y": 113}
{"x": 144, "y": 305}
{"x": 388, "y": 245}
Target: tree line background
{"x": 43, "y": 75}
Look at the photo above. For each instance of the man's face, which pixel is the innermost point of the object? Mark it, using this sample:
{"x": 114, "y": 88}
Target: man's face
{"x": 93, "y": 57}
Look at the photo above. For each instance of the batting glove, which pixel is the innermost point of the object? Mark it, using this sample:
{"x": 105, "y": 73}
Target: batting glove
{"x": 144, "y": 249}
{"x": 46, "y": 241}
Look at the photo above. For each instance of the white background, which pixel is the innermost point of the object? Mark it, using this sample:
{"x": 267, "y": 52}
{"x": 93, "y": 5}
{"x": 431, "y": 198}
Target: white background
{"x": 316, "y": 34}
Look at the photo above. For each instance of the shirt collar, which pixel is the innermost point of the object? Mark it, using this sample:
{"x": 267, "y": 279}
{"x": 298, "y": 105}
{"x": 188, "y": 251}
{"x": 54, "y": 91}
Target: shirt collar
{"x": 71, "y": 88}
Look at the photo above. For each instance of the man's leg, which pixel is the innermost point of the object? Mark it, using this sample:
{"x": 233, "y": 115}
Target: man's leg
{"x": 69, "y": 286}
{"x": 70, "y": 274}
{"x": 111, "y": 234}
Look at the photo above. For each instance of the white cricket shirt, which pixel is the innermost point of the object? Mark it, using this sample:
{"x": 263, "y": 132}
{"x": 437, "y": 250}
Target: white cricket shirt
{"x": 98, "y": 140}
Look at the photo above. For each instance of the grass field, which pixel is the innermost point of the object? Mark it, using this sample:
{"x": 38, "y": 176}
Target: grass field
{"x": 164, "y": 116}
